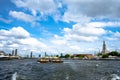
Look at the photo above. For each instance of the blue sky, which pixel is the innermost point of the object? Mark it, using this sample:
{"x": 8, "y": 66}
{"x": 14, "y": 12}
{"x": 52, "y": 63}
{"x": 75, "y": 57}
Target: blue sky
{"x": 59, "y": 26}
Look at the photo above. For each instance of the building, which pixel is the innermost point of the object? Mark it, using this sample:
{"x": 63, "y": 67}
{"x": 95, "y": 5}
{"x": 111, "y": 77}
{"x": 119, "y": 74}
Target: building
{"x": 31, "y": 55}
{"x": 104, "y": 48}
{"x": 84, "y": 56}
{"x": 12, "y": 52}
{"x": 15, "y": 52}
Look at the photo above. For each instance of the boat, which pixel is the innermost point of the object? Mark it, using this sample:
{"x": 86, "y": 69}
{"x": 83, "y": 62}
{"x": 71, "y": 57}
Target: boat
{"x": 7, "y": 57}
{"x": 50, "y": 60}
{"x": 43, "y": 60}
{"x": 56, "y": 60}
{"x": 2, "y": 57}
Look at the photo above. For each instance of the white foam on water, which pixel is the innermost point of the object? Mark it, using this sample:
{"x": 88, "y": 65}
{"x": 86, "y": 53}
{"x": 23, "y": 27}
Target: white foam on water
{"x": 96, "y": 65}
{"x": 111, "y": 77}
{"x": 38, "y": 62}
{"x": 114, "y": 77}
{"x": 14, "y": 76}
{"x": 67, "y": 76}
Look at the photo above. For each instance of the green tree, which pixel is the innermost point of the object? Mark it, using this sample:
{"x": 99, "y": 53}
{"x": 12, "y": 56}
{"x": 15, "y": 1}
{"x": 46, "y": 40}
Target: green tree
{"x": 57, "y": 55}
{"x": 114, "y": 53}
{"x": 72, "y": 56}
{"x": 99, "y": 54}
{"x": 105, "y": 55}
{"x": 67, "y": 56}
{"x": 81, "y": 56}
{"x": 119, "y": 55}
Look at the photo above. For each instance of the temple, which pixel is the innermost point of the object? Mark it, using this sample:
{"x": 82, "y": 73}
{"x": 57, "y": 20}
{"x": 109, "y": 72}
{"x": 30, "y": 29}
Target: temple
{"x": 104, "y": 48}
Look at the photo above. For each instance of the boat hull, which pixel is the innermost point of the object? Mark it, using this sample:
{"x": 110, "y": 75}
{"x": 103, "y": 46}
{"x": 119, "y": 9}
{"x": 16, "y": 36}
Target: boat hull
{"x": 60, "y": 61}
{"x": 50, "y": 60}
{"x": 57, "y": 61}
{"x": 4, "y": 58}
{"x": 43, "y": 61}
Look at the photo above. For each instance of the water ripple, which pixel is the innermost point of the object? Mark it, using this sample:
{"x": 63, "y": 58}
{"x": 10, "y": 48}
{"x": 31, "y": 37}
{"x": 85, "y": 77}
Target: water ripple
{"x": 29, "y": 69}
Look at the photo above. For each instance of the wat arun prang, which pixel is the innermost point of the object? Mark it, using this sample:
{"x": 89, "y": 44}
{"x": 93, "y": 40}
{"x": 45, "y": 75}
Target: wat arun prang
{"x": 104, "y": 48}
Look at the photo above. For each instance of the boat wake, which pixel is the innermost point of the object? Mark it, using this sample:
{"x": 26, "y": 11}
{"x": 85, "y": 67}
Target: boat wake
{"x": 14, "y": 76}
{"x": 111, "y": 77}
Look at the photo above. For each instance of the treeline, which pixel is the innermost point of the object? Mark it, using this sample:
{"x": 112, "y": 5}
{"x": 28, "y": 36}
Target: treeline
{"x": 65, "y": 56}
{"x": 113, "y": 53}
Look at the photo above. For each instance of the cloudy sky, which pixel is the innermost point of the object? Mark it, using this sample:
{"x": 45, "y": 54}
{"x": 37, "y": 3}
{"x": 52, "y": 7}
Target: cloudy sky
{"x": 59, "y": 26}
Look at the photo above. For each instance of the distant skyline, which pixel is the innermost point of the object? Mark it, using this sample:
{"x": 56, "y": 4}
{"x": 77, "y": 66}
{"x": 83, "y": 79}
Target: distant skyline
{"x": 59, "y": 26}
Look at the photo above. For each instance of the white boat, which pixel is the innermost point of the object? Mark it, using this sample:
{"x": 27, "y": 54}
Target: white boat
{"x": 3, "y": 57}
{"x": 7, "y": 57}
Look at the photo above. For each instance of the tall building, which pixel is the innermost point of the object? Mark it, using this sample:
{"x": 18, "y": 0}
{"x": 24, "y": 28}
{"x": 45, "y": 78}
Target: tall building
{"x": 45, "y": 54}
{"x": 104, "y": 48}
{"x": 31, "y": 54}
{"x": 15, "y": 52}
{"x": 12, "y": 52}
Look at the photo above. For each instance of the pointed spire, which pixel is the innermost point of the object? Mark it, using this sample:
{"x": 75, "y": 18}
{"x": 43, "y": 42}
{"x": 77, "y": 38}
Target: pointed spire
{"x": 104, "y": 45}
{"x": 104, "y": 49}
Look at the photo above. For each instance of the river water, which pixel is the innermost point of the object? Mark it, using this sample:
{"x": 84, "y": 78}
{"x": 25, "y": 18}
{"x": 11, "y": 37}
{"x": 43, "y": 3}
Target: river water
{"x": 30, "y": 69}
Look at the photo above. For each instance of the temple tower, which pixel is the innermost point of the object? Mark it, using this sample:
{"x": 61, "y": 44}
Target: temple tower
{"x": 104, "y": 48}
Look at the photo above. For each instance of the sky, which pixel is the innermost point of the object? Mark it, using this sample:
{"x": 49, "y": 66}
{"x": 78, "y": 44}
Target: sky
{"x": 59, "y": 26}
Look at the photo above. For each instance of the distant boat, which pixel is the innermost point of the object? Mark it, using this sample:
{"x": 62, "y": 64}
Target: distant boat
{"x": 50, "y": 60}
{"x": 43, "y": 60}
{"x": 3, "y": 57}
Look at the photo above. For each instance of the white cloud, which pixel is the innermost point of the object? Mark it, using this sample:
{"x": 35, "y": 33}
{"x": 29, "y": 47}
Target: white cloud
{"x": 59, "y": 42}
{"x": 74, "y": 17}
{"x": 75, "y": 47}
{"x": 83, "y": 32}
{"x": 41, "y": 6}
{"x": 75, "y": 37}
{"x": 82, "y": 10}
{"x": 91, "y": 31}
{"x": 22, "y": 16}
{"x": 32, "y": 42}
{"x": 34, "y": 12}
{"x": 70, "y": 42}
{"x": 104, "y": 24}
{"x": 79, "y": 44}
{"x": 5, "y": 20}
{"x": 19, "y": 38}
{"x": 71, "y": 11}
{"x": 87, "y": 30}
{"x": 117, "y": 34}
{"x": 113, "y": 36}
{"x": 16, "y": 32}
